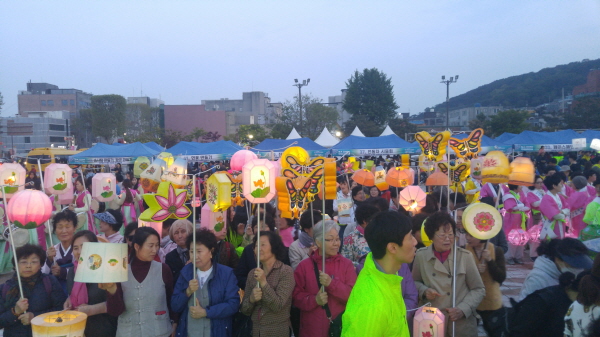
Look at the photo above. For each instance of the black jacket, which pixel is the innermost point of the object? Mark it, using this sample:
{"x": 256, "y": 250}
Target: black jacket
{"x": 541, "y": 313}
{"x": 174, "y": 262}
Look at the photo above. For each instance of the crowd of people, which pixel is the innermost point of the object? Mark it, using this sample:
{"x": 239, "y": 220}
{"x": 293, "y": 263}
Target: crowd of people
{"x": 358, "y": 267}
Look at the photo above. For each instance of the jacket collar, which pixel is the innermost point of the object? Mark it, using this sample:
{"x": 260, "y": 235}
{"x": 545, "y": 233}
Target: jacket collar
{"x": 372, "y": 271}
{"x": 437, "y": 265}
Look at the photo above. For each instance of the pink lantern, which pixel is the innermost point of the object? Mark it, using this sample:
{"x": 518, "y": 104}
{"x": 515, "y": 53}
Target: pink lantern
{"x": 57, "y": 179}
{"x": 259, "y": 180}
{"x": 29, "y": 209}
{"x": 412, "y": 198}
{"x": 12, "y": 176}
{"x": 196, "y": 202}
{"x": 104, "y": 187}
{"x": 156, "y": 225}
{"x": 534, "y": 233}
{"x": 240, "y": 158}
{"x": 518, "y": 237}
{"x": 428, "y": 321}
{"x": 66, "y": 198}
{"x": 214, "y": 221}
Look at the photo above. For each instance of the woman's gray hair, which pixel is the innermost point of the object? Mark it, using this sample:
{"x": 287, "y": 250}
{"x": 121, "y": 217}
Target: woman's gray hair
{"x": 181, "y": 223}
{"x": 318, "y": 229}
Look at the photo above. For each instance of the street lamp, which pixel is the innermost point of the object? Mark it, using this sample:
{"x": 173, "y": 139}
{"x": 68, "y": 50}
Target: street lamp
{"x": 448, "y": 82}
{"x": 338, "y": 134}
{"x": 300, "y": 85}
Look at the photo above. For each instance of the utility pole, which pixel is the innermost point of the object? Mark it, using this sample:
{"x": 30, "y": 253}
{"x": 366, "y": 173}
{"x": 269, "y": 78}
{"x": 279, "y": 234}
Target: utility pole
{"x": 447, "y": 83}
{"x": 300, "y": 85}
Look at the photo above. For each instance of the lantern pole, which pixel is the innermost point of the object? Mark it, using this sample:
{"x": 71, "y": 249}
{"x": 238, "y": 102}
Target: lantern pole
{"x": 12, "y": 240}
{"x": 323, "y": 216}
{"x": 257, "y": 245}
{"x": 194, "y": 223}
{"x": 47, "y": 224}
{"x": 454, "y": 282}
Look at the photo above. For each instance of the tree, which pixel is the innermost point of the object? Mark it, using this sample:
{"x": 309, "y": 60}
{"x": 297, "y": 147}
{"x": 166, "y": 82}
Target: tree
{"x": 315, "y": 117}
{"x": 402, "y": 126}
{"x": 108, "y": 116}
{"x": 513, "y": 121}
{"x": 196, "y": 134}
{"x": 481, "y": 121}
{"x": 81, "y": 127}
{"x": 366, "y": 126}
{"x": 257, "y": 132}
{"x": 171, "y": 138}
{"x": 1, "y": 102}
{"x": 370, "y": 94}
{"x": 586, "y": 113}
{"x": 141, "y": 123}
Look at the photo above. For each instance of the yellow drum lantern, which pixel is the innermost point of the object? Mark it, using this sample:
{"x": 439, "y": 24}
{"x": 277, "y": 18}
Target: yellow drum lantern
{"x": 522, "y": 172}
{"x": 59, "y": 323}
{"x": 140, "y": 165}
{"x": 495, "y": 168}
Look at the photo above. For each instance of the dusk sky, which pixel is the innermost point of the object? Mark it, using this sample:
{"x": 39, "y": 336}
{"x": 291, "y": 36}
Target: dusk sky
{"x": 186, "y": 51}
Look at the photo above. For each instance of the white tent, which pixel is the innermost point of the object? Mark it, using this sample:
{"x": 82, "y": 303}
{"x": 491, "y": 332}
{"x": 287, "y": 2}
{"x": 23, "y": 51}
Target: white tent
{"x": 294, "y": 134}
{"x": 357, "y": 132}
{"x": 387, "y": 132}
{"x": 326, "y": 139}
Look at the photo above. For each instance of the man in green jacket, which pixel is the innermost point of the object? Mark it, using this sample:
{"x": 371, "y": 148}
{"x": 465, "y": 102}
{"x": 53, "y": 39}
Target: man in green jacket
{"x": 376, "y": 307}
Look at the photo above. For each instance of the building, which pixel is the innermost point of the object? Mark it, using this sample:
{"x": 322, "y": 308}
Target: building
{"x": 536, "y": 121}
{"x": 591, "y": 87}
{"x": 185, "y": 118}
{"x": 142, "y": 114}
{"x": 39, "y": 129}
{"x": 462, "y": 117}
{"x": 338, "y": 102}
{"x": 49, "y": 97}
{"x": 151, "y": 102}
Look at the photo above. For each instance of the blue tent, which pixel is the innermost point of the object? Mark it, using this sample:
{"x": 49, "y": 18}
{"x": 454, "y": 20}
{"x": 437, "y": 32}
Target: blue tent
{"x": 551, "y": 141}
{"x": 154, "y": 146}
{"x": 589, "y": 135}
{"x": 373, "y": 146}
{"x": 277, "y": 146}
{"x": 487, "y": 143}
{"x": 110, "y": 154}
{"x": 193, "y": 151}
{"x": 505, "y": 137}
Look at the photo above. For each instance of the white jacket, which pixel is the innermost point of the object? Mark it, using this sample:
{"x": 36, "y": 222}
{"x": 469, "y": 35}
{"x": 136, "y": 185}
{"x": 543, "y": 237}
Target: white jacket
{"x": 544, "y": 274}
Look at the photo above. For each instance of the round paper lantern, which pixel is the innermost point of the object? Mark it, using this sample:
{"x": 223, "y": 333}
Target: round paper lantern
{"x": 412, "y": 198}
{"x": 104, "y": 187}
{"x": 102, "y": 263}
{"x": 299, "y": 153}
{"x": 140, "y": 165}
{"x": 59, "y": 323}
{"x": 518, "y": 237}
{"x": 495, "y": 168}
{"x": 400, "y": 176}
{"x": 534, "y": 233}
{"x": 364, "y": 177}
{"x": 437, "y": 179}
{"x": 57, "y": 179}
{"x": 218, "y": 192}
{"x": 29, "y": 209}
{"x": 482, "y": 221}
{"x": 522, "y": 172}
{"x": 259, "y": 180}
{"x": 240, "y": 158}
{"x": 177, "y": 173}
{"x": 429, "y": 321}
{"x": 13, "y": 176}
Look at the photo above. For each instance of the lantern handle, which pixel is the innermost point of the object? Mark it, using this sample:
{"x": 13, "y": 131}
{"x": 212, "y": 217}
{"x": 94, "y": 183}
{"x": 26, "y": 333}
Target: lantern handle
{"x": 194, "y": 228}
{"x": 12, "y": 240}
{"x": 257, "y": 236}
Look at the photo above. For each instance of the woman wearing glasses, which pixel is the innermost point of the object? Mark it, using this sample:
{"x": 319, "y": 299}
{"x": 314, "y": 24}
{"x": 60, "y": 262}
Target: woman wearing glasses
{"x": 338, "y": 279}
{"x": 433, "y": 272}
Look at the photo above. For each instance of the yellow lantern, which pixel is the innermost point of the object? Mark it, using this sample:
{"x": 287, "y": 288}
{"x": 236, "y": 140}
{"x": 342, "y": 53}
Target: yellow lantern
{"x": 425, "y": 164}
{"x": 59, "y": 323}
{"x": 13, "y": 178}
{"x": 140, "y": 165}
{"x": 433, "y": 147}
{"x": 405, "y": 160}
{"x": 102, "y": 263}
{"x": 495, "y": 168}
{"x": 330, "y": 179}
{"x": 218, "y": 192}
{"x": 300, "y": 154}
{"x": 458, "y": 173}
{"x": 380, "y": 176}
{"x": 177, "y": 173}
{"x": 468, "y": 147}
{"x": 522, "y": 172}
{"x": 237, "y": 189}
{"x": 167, "y": 158}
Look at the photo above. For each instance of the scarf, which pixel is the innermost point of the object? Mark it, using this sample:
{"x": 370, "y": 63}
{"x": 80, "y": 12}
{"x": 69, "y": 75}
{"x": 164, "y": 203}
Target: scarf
{"x": 79, "y": 293}
{"x": 306, "y": 240}
{"x": 183, "y": 254}
{"x": 12, "y": 296}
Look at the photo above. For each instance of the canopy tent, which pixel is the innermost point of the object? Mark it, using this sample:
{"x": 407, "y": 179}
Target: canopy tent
{"x": 326, "y": 139}
{"x": 357, "y": 132}
{"x": 589, "y": 136}
{"x": 505, "y": 137}
{"x": 373, "y": 146}
{"x": 194, "y": 152}
{"x": 487, "y": 144}
{"x": 387, "y": 131}
{"x": 111, "y": 154}
{"x": 294, "y": 134}
{"x": 277, "y": 146}
{"x": 551, "y": 141}
{"x": 154, "y": 146}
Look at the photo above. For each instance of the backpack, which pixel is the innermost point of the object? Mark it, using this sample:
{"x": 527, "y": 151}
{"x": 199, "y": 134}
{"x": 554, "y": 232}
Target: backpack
{"x": 45, "y": 280}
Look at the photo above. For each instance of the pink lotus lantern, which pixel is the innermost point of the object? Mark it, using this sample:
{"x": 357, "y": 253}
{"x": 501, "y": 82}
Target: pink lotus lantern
{"x": 259, "y": 180}
{"x": 104, "y": 187}
{"x": 534, "y": 233}
{"x": 156, "y": 225}
{"x": 428, "y": 321}
{"x": 57, "y": 179}
{"x": 29, "y": 209}
{"x": 240, "y": 158}
{"x": 518, "y": 237}
{"x": 12, "y": 176}
{"x": 66, "y": 198}
{"x": 214, "y": 221}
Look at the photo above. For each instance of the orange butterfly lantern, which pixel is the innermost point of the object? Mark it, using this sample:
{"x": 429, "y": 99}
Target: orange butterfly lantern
{"x": 467, "y": 148}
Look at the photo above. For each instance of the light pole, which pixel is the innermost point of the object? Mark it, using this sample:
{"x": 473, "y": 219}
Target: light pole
{"x": 447, "y": 83}
{"x": 300, "y": 85}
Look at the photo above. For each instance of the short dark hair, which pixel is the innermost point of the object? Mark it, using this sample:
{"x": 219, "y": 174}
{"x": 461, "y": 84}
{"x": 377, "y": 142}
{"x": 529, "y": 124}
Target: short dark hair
{"x": 417, "y": 222}
{"x": 130, "y": 228}
{"x": 437, "y": 220}
{"x": 364, "y": 213}
{"x": 512, "y": 187}
{"x": 205, "y": 237}
{"x": 277, "y": 247}
{"x": 386, "y": 227}
{"x": 118, "y": 217}
{"x": 381, "y": 203}
{"x": 306, "y": 221}
{"x": 168, "y": 223}
{"x": 28, "y": 249}
{"x": 589, "y": 173}
{"x": 343, "y": 179}
{"x": 552, "y": 180}
{"x": 553, "y": 160}
{"x": 64, "y": 215}
{"x": 356, "y": 189}
{"x": 459, "y": 197}
{"x": 89, "y": 235}
{"x": 566, "y": 247}
{"x": 142, "y": 234}
{"x": 269, "y": 221}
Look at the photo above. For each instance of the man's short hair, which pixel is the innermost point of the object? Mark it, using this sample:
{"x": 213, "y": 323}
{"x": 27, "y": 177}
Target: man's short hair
{"x": 386, "y": 227}
{"x": 365, "y": 213}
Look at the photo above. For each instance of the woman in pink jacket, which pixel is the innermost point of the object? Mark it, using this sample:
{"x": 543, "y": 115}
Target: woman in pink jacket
{"x": 515, "y": 217}
{"x": 554, "y": 208}
{"x": 534, "y": 198}
{"x": 338, "y": 279}
{"x": 578, "y": 201}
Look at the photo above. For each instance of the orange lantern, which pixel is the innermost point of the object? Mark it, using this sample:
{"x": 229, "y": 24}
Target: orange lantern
{"x": 400, "y": 176}
{"x": 437, "y": 179}
{"x": 495, "y": 168}
{"x": 522, "y": 172}
{"x": 57, "y": 179}
{"x": 468, "y": 147}
{"x": 150, "y": 178}
{"x": 218, "y": 192}
{"x": 237, "y": 189}
{"x": 104, "y": 187}
{"x": 364, "y": 177}
{"x": 330, "y": 179}
{"x": 380, "y": 176}
{"x": 13, "y": 178}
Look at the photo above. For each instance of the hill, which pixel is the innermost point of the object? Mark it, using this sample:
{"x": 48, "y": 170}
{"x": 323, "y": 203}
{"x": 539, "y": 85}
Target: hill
{"x": 530, "y": 89}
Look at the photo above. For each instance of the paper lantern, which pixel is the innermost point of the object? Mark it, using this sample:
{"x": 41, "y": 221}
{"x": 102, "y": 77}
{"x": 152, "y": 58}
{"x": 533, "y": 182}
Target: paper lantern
{"x": 534, "y": 233}
{"x": 380, "y": 182}
{"x": 104, "y": 187}
{"x": 299, "y": 153}
{"x": 57, "y": 179}
{"x": 218, "y": 192}
{"x": 518, "y": 237}
{"x": 158, "y": 226}
{"x": 177, "y": 173}
{"x": 412, "y": 198}
{"x": 425, "y": 164}
{"x": 476, "y": 166}
{"x": 166, "y": 203}
{"x": 240, "y": 158}
{"x": 405, "y": 160}
{"x": 19, "y": 235}
{"x": 355, "y": 164}
{"x": 433, "y": 147}
{"x": 140, "y": 165}
{"x": 400, "y": 176}
{"x": 259, "y": 180}
{"x": 13, "y": 176}
{"x": 437, "y": 179}
{"x": 151, "y": 178}
{"x": 369, "y": 165}
{"x": 237, "y": 189}
{"x": 482, "y": 221}
{"x": 296, "y": 190}
{"x": 495, "y": 168}
{"x": 330, "y": 177}
{"x": 68, "y": 323}
{"x": 364, "y": 177}
{"x": 214, "y": 221}
{"x": 167, "y": 160}
{"x": 102, "y": 263}
{"x": 429, "y": 322}
{"x": 458, "y": 173}
{"x": 522, "y": 172}
{"x": 196, "y": 202}
{"x": 29, "y": 209}
{"x": 468, "y": 147}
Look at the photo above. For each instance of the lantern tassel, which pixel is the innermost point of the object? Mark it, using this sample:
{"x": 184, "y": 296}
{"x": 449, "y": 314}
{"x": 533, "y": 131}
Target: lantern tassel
{"x": 12, "y": 240}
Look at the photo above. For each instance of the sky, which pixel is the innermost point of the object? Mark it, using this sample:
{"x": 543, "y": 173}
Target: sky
{"x": 186, "y": 51}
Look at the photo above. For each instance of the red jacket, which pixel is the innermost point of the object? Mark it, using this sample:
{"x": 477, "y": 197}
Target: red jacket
{"x": 313, "y": 320}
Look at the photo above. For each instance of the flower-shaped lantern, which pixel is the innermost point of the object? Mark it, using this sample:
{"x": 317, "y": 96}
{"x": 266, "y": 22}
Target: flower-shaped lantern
{"x": 482, "y": 221}
{"x": 29, "y": 209}
{"x": 166, "y": 203}
{"x": 104, "y": 187}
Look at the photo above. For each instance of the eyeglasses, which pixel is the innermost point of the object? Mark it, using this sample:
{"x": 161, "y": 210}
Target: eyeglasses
{"x": 445, "y": 236}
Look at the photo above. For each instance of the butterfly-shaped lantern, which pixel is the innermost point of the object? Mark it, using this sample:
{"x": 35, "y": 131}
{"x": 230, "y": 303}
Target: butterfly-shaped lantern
{"x": 468, "y": 147}
{"x": 433, "y": 147}
{"x": 458, "y": 173}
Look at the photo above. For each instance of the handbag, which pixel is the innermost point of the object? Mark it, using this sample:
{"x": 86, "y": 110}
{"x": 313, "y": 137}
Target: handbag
{"x": 335, "y": 325}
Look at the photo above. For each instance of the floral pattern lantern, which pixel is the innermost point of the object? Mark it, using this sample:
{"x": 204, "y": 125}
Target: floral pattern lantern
{"x": 218, "y": 192}
{"x": 476, "y": 166}
{"x": 102, "y": 263}
{"x": 13, "y": 177}
{"x": 177, "y": 173}
{"x": 518, "y": 237}
{"x": 150, "y": 178}
{"x": 429, "y": 322}
{"x": 166, "y": 203}
{"x": 482, "y": 221}
{"x": 400, "y": 176}
{"x": 140, "y": 165}
{"x": 29, "y": 209}
{"x": 104, "y": 187}
{"x": 59, "y": 323}
{"x": 495, "y": 168}
{"x": 240, "y": 158}
{"x": 57, "y": 179}
{"x": 259, "y": 180}
{"x": 522, "y": 172}
{"x": 214, "y": 221}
